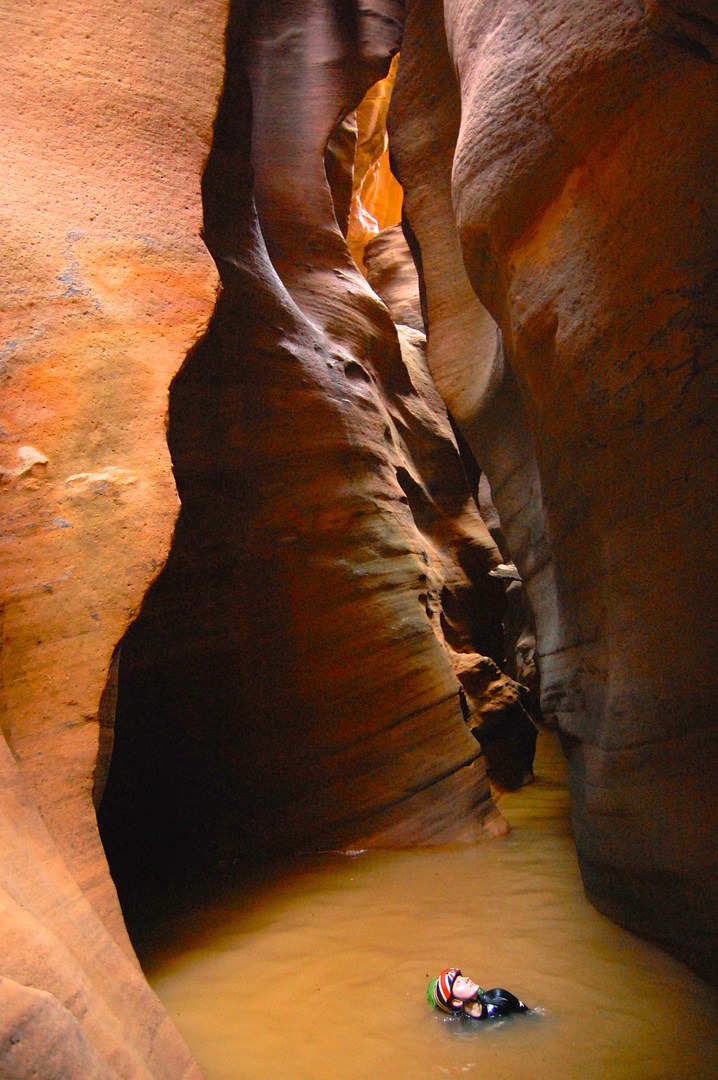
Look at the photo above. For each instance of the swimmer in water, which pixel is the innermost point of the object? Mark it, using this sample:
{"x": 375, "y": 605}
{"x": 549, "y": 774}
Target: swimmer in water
{"x": 459, "y": 995}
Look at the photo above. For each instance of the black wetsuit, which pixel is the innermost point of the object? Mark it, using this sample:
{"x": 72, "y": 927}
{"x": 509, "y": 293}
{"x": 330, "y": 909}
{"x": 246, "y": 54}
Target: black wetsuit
{"x": 498, "y": 1002}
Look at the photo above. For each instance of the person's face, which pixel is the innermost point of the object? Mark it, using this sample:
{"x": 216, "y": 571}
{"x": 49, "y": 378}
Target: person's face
{"x": 464, "y": 988}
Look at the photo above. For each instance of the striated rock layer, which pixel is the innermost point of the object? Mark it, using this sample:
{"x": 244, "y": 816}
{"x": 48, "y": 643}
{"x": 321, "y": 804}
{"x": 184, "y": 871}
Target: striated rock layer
{"x": 307, "y": 668}
{"x": 106, "y": 284}
{"x": 326, "y": 633}
{"x": 561, "y": 159}
{"x": 295, "y": 677}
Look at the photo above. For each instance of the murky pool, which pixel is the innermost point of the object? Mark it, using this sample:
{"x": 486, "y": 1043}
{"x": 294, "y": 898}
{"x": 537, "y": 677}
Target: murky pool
{"x": 317, "y": 969}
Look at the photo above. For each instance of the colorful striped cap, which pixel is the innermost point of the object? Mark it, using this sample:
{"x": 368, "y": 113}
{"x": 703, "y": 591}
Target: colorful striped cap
{"x": 442, "y": 988}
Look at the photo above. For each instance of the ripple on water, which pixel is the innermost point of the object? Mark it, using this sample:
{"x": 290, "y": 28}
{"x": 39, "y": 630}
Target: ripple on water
{"x": 316, "y": 969}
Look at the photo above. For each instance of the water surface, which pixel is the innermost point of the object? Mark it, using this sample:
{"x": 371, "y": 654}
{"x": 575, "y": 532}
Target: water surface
{"x": 316, "y": 969}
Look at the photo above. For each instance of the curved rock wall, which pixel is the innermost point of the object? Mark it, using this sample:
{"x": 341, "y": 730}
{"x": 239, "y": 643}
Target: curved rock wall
{"x": 326, "y": 632}
{"x": 578, "y": 163}
{"x": 107, "y": 113}
{"x": 292, "y": 680}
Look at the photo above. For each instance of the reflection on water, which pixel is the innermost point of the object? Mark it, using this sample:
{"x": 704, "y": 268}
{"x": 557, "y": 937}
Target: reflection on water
{"x": 317, "y": 969}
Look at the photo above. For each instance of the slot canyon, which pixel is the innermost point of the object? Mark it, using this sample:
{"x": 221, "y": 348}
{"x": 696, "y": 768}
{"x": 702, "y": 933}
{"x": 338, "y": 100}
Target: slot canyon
{"x": 358, "y": 423}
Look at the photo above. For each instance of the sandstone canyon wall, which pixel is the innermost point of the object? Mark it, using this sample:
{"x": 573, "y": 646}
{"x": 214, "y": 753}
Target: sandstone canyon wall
{"x": 297, "y": 656}
{"x": 567, "y": 172}
{"x": 107, "y": 116}
{"x": 303, "y": 669}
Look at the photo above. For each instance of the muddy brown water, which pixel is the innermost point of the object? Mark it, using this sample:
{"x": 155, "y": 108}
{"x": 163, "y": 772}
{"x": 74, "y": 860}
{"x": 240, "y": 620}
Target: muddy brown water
{"x": 316, "y": 969}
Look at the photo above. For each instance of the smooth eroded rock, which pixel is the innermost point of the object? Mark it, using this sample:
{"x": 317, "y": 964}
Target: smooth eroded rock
{"x": 291, "y": 682}
{"x": 584, "y": 204}
{"x": 106, "y": 285}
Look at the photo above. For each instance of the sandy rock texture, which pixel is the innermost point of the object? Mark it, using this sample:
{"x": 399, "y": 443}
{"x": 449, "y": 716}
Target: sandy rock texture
{"x": 575, "y": 152}
{"x": 294, "y": 678}
{"x": 107, "y": 114}
{"x": 391, "y": 272}
{"x": 298, "y": 656}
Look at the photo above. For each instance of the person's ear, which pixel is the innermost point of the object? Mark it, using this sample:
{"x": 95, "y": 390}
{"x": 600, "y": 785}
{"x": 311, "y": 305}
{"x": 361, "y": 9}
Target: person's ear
{"x": 455, "y": 1002}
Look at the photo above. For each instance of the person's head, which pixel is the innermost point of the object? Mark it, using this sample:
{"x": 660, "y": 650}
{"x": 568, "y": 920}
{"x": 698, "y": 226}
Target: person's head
{"x": 464, "y": 988}
{"x": 451, "y": 990}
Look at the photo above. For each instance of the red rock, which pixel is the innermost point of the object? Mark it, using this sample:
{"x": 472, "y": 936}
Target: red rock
{"x": 584, "y": 205}
{"x": 392, "y": 275}
{"x": 294, "y": 663}
{"x": 106, "y": 284}
{"x": 304, "y": 665}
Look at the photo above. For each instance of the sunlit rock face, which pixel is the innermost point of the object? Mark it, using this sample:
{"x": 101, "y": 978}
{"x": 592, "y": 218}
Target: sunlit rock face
{"x": 575, "y": 152}
{"x": 107, "y": 114}
{"x": 376, "y": 196}
{"x": 306, "y": 669}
